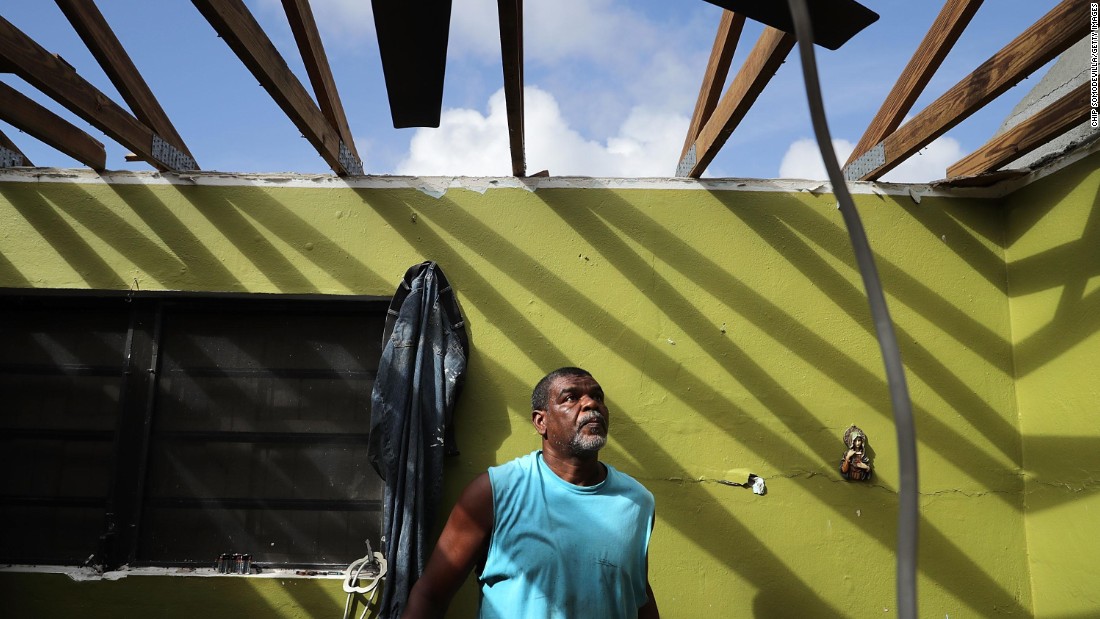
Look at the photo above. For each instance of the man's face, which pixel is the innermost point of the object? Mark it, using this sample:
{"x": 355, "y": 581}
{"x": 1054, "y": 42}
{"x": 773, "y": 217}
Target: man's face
{"x": 576, "y": 418}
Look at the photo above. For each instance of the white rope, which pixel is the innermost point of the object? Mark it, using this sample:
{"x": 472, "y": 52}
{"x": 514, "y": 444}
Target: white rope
{"x": 375, "y": 567}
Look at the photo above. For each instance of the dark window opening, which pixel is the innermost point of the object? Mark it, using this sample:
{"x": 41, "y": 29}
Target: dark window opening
{"x": 169, "y": 430}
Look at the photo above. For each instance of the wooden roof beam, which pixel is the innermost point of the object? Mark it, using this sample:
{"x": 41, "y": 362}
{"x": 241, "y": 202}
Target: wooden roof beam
{"x": 304, "y": 27}
{"x": 101, "y": 41}
{"x": 940, "y": 38}
{"x": 721, "y": 56}
{"x": 232, "y": 21}
{"x": 1052, "y": 121}
{"x": 10, "y": 155}
{"x": 763, "y": 61}
{"x": 510, "y": 15}
{"x": 1051, "y": 35}
{"x": 54, "y": 77}
{"x": 28, "y": 116}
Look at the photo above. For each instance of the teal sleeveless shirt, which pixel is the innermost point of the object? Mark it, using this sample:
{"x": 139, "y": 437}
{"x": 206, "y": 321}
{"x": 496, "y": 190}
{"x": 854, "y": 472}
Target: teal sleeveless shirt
{"x": 560, "y": 551}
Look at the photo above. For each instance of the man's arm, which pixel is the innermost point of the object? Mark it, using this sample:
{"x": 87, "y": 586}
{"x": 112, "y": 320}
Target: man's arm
{"x": 464, "y": 541}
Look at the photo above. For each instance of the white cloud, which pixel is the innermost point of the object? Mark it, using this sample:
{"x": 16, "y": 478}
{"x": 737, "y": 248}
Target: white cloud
{"x": 475, "y": 30}
{"x": 553, "y": 31}
{"x": 803, "y": 160}
{"x": 342, "y": 22}
{"x": 928, "y": 164}
{"x": 598, "y": 30}
{"x": 470, "y": 143}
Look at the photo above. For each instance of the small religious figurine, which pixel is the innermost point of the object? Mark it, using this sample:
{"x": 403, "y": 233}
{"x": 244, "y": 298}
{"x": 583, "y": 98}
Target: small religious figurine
{"x": 856, "y": 464}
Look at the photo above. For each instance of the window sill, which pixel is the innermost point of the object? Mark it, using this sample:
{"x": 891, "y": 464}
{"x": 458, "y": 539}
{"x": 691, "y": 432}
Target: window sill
{"x": 81, "y": 574}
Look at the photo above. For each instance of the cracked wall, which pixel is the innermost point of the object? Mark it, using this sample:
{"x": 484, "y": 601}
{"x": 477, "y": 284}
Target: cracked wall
{"x": 726, "y": 321}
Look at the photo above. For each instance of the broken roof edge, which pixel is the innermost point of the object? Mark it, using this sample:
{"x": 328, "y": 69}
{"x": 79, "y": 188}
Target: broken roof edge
{"x": 439, "y": 185}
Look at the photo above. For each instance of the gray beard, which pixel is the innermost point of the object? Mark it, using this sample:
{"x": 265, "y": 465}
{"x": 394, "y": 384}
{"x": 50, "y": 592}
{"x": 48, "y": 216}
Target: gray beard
{"x": 582, "y": 443}
{"x": 587, "y": 443}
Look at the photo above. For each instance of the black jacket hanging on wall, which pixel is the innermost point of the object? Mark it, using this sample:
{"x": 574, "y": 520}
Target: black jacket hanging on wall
{"x": 419, "y": 378}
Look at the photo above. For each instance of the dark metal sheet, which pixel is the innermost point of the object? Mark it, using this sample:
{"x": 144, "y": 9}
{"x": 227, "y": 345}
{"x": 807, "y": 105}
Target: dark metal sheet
{"x": 835, "y": 21}
{"x": 412, "y": 40}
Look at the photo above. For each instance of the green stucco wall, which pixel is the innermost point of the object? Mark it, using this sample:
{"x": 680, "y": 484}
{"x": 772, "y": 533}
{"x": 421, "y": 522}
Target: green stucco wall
{"x": 1053, "y": 250}
{"x": 44, "y": 596}
{"x": 728, "y": 327}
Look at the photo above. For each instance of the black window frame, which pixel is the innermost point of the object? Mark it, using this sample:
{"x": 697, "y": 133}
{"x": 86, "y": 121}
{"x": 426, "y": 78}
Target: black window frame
{"x": 125, "y": 503}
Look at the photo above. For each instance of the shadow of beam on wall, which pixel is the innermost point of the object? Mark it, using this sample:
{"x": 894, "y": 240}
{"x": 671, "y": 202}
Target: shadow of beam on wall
{"x": 1077, "y": 316}
{"x": 10, "y": 275}
{"x": 952, "y": 219}
{"x": 919, "y": 360}
{"x": 246, "y": 237}
{"x": 784, "y": 329}
{"x": 189, "y": 258}
{"x": 166, "y": 267}
{"x": 1065, "y": 471}
{"x": 1054, "y": 189}
{"x": 803, "y": 220}
{"x": 697, "y": 394}
{"x": 62, "y": 237}
{"x": 240, "y": 211}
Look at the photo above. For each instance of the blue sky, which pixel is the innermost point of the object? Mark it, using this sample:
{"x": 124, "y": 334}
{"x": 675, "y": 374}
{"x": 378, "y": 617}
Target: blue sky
{"x": 611, "y": 86}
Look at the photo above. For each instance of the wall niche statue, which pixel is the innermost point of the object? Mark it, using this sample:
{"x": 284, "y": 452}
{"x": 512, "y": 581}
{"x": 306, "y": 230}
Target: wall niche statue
{"x": 856, "y": 463}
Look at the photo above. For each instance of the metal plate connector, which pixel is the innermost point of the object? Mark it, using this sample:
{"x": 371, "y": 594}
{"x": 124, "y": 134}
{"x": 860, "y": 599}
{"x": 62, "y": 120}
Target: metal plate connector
{"x": 866, "y": 163}
{"x": 170, "y": 156}
{"x": 351, "y": 163}
{"x": 687, "y": 163}
{"x": 10, "y": 158}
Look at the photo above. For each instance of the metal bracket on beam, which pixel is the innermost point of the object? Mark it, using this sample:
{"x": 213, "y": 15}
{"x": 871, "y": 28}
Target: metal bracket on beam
{"x": 687, "y": 163}
{"x": 866, "y": 163}
{"x": 170, "y": 156}
{"x": 10, "y": 159}
{"x": 351, "y": 163}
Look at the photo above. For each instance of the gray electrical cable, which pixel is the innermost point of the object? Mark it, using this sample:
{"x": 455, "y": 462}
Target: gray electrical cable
{"x": 884, "y": 329}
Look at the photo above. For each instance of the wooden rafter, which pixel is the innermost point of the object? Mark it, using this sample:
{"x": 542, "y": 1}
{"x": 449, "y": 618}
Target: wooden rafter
{"x": 101, "y": 41}
{"x": 941, "y": 37}
{"x": 1049, "y": 36}
{"x": 510, "y": 14}
{"x": 1052, "y": 121}
{"x": 721, "y": 55}
{"x": 763, "y": 61}
{"x": 239, "y": 29}
{"x": 54, "y": 77}
{"x": 13, "y": 151}
{"x": 304, "y": 27}
{"x": 25, "y": 114}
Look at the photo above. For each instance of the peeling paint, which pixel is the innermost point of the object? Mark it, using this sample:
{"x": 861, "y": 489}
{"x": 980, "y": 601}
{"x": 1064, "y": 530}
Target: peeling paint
{"x": 438, "y": 186}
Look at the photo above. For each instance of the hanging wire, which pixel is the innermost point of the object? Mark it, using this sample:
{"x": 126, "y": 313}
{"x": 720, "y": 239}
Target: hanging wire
{"x": 884, "y": 329}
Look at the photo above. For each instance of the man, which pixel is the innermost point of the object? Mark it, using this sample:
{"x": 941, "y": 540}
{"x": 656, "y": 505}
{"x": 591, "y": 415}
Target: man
{"x": 555, "y": 533}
